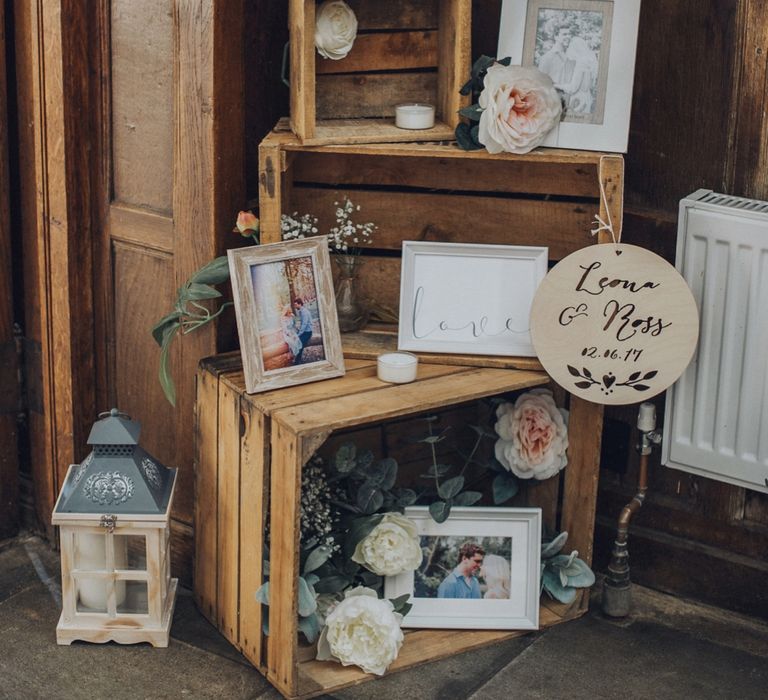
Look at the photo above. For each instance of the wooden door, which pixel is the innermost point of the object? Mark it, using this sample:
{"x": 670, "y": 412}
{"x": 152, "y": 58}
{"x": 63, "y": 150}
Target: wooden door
{"x": 176, "y": 174}
{"x": 132, "y": 175}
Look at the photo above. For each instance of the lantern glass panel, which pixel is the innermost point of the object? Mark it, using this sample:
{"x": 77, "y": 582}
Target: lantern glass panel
{"x": 133, "y": 552}
{"x": 91, "y": 551}
{"x": 92, "y": 594}
{"x": 135, "y": 601}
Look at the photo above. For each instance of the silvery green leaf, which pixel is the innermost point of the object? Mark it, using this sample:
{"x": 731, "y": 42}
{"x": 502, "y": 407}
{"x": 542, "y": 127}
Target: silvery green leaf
{"x": 195, "y": 291}
{"x": 364, "y": 459}
{"x": 467, "y": 498}
{"x": 310, "y": 627}
{"x": 307, "y": 601}
{"x": 215, "y": 272}
{"x": 505, "y": 486}
{"x": 262, "y": 595}
{"x": 359, "y": 528}
{"x": 407, "y": 497}
{"x": 388, "y": 468}
{"x": 448, "y": 489}
{"x": 439, "y": 510}
{"x": 555, "y": 589}
{"x": 549, "y": 549}
{"x": 332, "y": 584}
{"x": 317, "y": 557}
{"x": 344, "y": 459}
{"x": 579, "y": 574}
{"x": 369, "y": 498}
{"x": 432, "y": 439}
{"x": 311, "y": 579}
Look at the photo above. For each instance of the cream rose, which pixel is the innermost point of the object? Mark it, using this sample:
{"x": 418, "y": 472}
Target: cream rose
{"x": 520, "y": 107}
{"x": 362, "y": 630}
{"x": 533, "y": 435}
{"x": 335, "y": 29}
{"x": 391, "y": 548}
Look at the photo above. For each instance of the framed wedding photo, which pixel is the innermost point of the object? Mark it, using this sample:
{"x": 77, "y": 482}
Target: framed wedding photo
{"x": 480, "y": 570}
{"x": 588, "y": 49}
{"x": 468, "y": 298}
{"x": 286, "y": 314}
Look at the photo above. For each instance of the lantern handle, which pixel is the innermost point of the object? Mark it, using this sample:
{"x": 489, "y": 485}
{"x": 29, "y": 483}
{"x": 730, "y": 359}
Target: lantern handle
{"x": 114, "y": 413}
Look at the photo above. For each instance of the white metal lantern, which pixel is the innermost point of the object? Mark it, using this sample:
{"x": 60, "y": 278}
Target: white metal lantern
{"x": 113, "y": 511}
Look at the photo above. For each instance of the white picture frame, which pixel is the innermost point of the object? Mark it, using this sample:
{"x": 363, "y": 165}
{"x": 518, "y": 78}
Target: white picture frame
{"x": 595, "y": 74}
{"x": 469, "y": 298}
{"x": 514, "y": 535}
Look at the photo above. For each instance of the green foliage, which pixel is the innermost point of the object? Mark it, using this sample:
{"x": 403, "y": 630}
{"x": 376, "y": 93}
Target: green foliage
{"x": 189, "y": 314}
{"x": 562, "y": 574}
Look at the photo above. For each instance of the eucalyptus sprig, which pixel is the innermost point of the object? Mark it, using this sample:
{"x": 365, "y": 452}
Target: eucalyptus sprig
{"x": 189, "y": 314}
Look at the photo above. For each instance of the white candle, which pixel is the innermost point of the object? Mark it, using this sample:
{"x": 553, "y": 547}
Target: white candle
{"x": 646, "y": 417}
{"x": 414, "y": 116}
{"x": 91, "y": 556}
{"x": 397, "y": 367}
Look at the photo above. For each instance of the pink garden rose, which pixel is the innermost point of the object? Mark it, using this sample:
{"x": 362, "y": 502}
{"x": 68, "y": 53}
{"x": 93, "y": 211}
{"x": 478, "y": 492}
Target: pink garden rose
{"x": 520, "y": 107}
{"x": 533, "y": 435}
{"x": 247, "y": 223}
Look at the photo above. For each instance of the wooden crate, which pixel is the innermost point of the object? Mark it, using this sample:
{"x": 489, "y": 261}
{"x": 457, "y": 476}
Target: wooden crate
{"x": 405, "y": 51}
{"x": 250, "y": 453}
{"x": 437, "y": 192}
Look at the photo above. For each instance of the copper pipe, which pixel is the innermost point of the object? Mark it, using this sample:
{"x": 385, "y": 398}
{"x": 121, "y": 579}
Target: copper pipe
{"x": 616, "y": 586}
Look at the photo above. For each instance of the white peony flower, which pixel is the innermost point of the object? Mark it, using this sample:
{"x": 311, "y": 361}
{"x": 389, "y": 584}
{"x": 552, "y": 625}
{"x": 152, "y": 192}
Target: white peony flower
{"x": 335, "y": 29}
{"x": 391, "y": 548}
{"x": 533, "y": 435}
{"x": 520, "y": 107}
{"x": 362, "y": 630}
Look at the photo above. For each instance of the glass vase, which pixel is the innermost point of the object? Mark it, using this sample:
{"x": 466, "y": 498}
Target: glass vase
{"x": 352, "y": 312}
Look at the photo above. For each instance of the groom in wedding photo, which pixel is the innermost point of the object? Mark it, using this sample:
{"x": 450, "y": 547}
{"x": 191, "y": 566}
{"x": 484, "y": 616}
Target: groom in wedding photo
{"x": 462, "y": 581}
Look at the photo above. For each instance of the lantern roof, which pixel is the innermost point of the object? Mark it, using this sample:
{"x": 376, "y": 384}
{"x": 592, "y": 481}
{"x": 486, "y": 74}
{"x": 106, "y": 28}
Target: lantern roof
{"x": 114, "y": 428}
{"x": 118, "y": 476}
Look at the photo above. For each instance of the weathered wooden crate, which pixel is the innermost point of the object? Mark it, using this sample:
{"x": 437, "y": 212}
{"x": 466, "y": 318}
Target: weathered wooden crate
{"x": 405, "y": 51}
{"x": 437, "y": 192}
{"x": 250, "y": 453}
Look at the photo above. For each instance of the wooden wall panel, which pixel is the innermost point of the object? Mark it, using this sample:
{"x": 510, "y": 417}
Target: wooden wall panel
{"x": 9, "y": 394}
{"x": 141, "y": 278}
{"x": 142, "y": 102}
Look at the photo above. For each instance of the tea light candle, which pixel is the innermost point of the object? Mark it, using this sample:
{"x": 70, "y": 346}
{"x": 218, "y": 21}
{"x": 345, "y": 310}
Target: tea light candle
{"x": 397, "y": 367}
{"x": 414, "y": 116}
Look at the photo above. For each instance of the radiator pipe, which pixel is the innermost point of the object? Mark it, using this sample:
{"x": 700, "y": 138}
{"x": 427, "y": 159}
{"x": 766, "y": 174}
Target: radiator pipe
{"x": 617, "y": 594}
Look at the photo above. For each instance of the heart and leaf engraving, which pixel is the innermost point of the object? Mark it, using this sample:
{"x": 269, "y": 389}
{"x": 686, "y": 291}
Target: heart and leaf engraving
{"x": 609, "y": 381}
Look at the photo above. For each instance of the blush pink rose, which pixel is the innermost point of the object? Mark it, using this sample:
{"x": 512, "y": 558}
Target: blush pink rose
{"x": 533, "y": 435}
{"x": 520, "y": 107}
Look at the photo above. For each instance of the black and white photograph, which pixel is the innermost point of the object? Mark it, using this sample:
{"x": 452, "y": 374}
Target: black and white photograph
{"x": 587, "y": 48}
{"x": 479, "y": 570}
{"x": 572, "y": 45}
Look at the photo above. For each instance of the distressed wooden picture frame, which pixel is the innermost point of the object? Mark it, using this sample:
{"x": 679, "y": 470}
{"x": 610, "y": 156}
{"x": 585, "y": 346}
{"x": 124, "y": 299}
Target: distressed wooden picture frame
{"x": 505, "y": 582}
{"x": 286, "y": 314}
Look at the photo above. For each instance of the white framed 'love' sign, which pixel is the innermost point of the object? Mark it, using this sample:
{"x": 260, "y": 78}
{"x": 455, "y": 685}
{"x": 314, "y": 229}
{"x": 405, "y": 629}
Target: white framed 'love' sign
{"x": 468, "y": 298}
{"x": 614, "y": 324}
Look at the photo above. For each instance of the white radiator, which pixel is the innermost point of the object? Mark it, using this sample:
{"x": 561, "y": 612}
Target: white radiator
{"x": 716, "y": 418}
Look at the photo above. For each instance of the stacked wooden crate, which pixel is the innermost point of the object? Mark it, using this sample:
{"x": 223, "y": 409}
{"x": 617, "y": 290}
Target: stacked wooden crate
{"x": 341, "y": 141}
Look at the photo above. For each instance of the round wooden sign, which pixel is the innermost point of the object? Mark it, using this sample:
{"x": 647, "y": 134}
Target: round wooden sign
{"x": 614, "y": 324}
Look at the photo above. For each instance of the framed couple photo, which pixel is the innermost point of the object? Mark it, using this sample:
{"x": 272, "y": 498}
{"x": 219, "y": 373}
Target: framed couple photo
{"x": 286, "y": 314}
{"x": 480, "y": 570}
{"x": 588, "y": 49}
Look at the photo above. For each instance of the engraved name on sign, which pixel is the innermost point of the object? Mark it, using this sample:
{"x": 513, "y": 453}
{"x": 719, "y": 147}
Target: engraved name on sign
{"x": 614, "y": 324}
